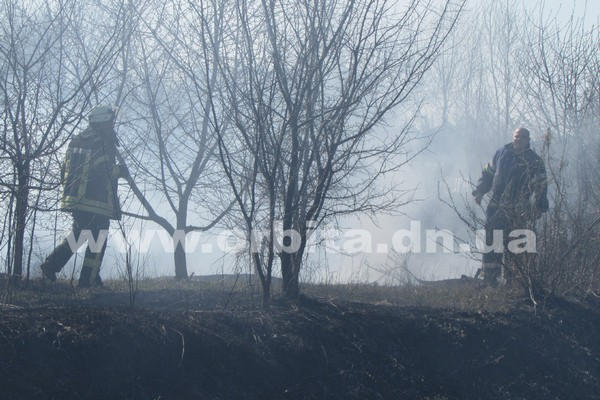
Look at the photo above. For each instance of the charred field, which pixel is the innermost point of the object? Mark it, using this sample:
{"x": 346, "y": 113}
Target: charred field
{"x": 212, "y": 340}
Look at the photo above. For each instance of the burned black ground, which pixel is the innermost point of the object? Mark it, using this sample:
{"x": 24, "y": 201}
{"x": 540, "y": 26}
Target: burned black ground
{"x": 200, "y": 340}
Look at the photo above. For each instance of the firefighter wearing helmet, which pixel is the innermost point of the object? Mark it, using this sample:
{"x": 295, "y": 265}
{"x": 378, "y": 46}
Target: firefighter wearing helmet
{"x": 89, "y": 178}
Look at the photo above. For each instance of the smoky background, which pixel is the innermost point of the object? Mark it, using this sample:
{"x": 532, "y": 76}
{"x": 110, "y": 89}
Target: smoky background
{"x": 504, "y": 65}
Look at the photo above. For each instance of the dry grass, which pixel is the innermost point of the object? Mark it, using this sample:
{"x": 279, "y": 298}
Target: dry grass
{"x": 243, "y": 292}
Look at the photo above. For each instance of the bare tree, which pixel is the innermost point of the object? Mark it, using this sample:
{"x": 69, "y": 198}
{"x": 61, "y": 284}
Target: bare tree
{"x": 561, "y": 89}
{"x": 171, "y": 144}
{"x": 306, "y": 84}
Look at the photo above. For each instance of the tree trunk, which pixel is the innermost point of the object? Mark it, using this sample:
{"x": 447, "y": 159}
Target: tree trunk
{"x": 21, "y": 206}
{"x": 290, "y": 267}
{"x": 9, "y": 239}
{"x": 31, "y": 240}
{"x": 180, "y": 263}
{"x": 291, "y": 287}
{"x": 266, "y": 298}
{"x": 180, "y": 257}
{"x": 181, "y": 272}
{"x": 290, "y": 275}
{"x": 264, "y": 279}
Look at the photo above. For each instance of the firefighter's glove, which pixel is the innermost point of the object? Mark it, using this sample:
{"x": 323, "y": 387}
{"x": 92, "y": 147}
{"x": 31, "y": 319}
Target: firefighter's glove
{"x": 123, "y": 171}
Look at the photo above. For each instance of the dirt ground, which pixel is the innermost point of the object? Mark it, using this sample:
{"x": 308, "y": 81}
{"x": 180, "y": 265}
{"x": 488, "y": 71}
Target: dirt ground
{"x": 211, "y": 340}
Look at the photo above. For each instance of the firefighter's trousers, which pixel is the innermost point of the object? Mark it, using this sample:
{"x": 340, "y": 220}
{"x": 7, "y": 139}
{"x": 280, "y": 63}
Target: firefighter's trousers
{"x": 496, "y": 220}
{"x": 92, "y": 224}
{"x": 503, "y": 220}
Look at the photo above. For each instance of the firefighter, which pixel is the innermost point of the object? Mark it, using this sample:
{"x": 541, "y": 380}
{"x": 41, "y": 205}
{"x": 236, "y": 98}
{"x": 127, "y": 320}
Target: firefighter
{"x": 516, "y": 178}
{"x": 89, "y": 178}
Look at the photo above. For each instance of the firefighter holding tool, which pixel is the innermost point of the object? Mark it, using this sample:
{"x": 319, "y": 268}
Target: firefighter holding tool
{"x": 89, "y": 177}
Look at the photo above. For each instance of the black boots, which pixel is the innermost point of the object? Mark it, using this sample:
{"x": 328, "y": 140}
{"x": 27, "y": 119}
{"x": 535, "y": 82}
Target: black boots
{"x": 492, "y": 273}
{"x": 86, "y": 281}
{"x": 48, "y": 272}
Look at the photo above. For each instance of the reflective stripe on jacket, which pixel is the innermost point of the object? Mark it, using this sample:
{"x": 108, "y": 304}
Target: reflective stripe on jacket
{"x": 90, "y": 174}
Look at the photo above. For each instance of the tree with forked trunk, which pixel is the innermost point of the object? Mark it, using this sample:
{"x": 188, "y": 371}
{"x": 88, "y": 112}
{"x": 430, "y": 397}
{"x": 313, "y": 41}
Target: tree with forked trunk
{"x": 305, "y": 85}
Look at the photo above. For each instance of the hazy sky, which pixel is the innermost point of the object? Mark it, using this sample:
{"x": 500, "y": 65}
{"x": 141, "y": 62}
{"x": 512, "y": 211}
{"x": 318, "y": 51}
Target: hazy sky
{"x": 589, "y": 10}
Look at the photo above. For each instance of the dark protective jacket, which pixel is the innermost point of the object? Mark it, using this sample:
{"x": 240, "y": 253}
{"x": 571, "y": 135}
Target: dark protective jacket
{"x": 90, "y": 174}
{"x": 517, "y": 181}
